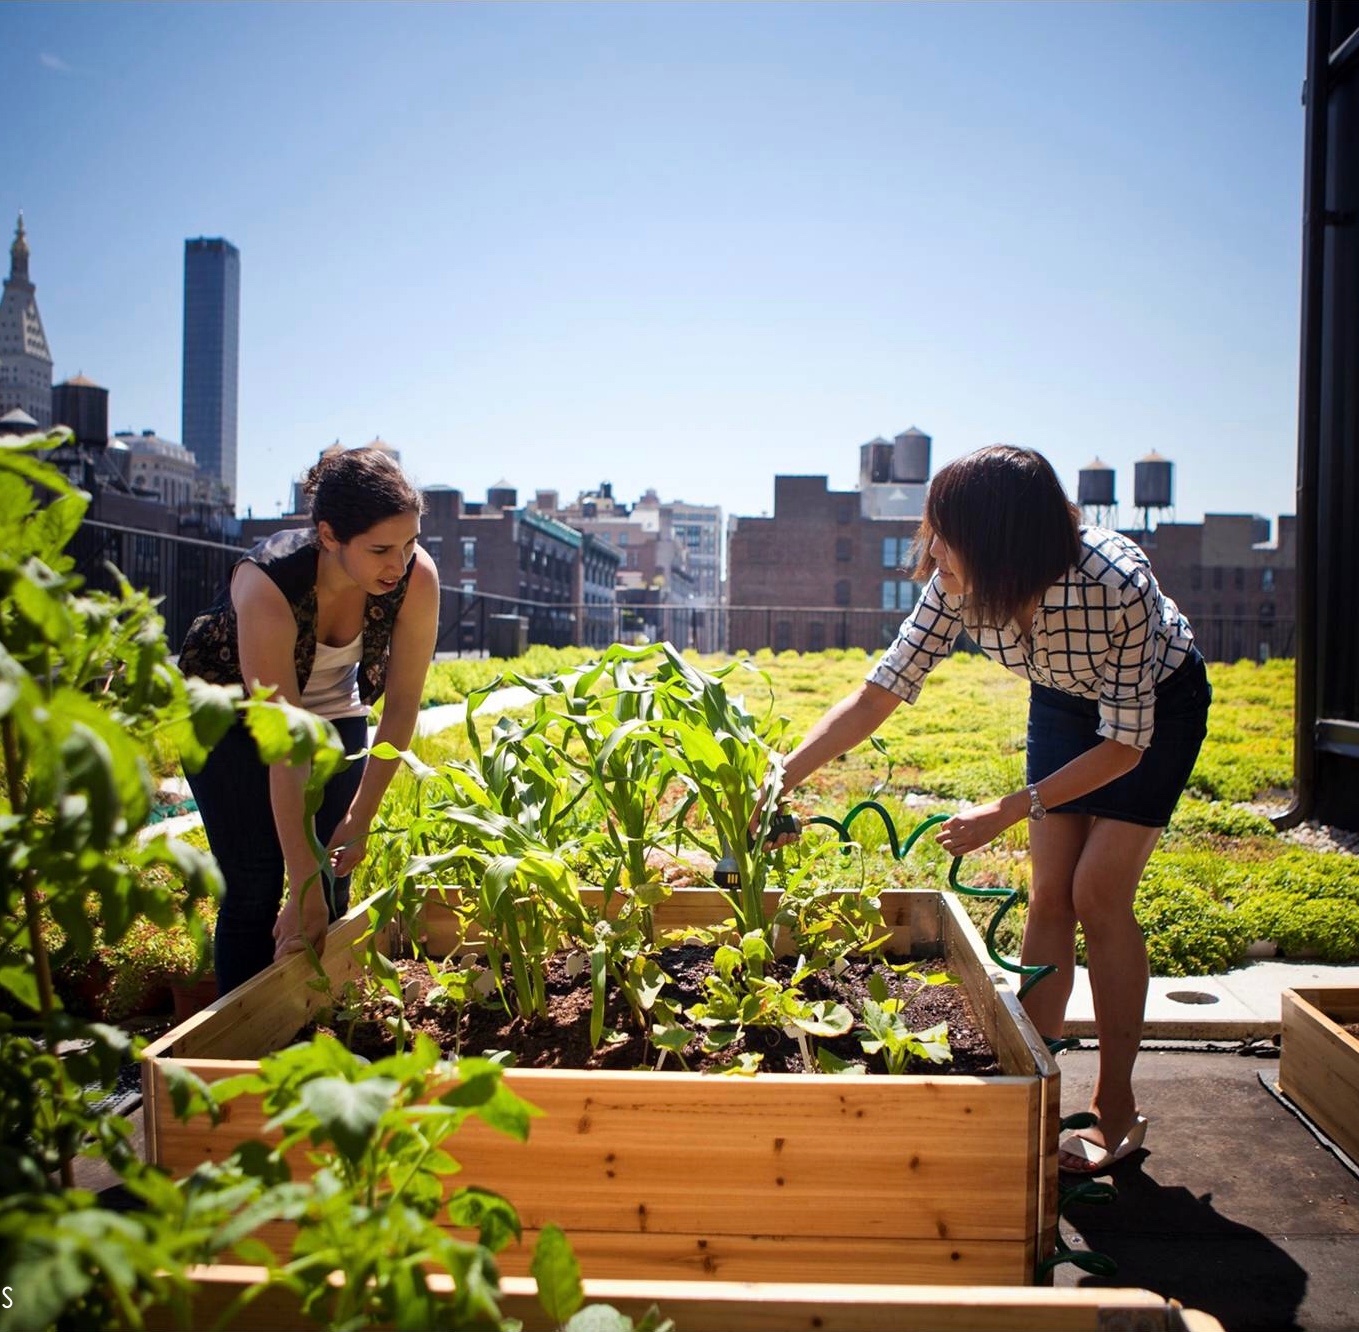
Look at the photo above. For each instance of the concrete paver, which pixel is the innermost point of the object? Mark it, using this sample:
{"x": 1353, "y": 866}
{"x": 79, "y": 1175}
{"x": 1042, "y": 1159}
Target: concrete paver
{"x": 1242, "y": 1004}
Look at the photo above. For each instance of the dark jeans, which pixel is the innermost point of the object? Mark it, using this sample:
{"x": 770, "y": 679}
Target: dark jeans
{"x": 232, "y": 792}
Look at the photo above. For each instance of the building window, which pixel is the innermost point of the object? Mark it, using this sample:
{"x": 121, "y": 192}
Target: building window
{"x": 898, "y": 594}
{"x": 1266, "y": 580}
{"x": 469, "y": 585}
{"x": 1196, "y": 577}
{"x": 844, "y": 550}
{"x": 1217, "y": 579}
{"x": 469, "y": 552}
{"x": 1240, "y": 577}
{"x": 816, "y": 636}
{"x": 842, "y": 591}
{"x": 783, "y": 635}
{"x": 893, "y": 552}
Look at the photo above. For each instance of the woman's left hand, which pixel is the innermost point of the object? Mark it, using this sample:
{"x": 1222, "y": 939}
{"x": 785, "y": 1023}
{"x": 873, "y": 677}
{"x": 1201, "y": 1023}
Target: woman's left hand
{"x": 348, "y": 845}
{"x": 974, "y": 828}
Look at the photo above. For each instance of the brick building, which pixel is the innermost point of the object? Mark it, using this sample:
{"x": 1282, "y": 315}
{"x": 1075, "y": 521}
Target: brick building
{"x": 1237, "y": 586}
{"x": 819, "y": 573}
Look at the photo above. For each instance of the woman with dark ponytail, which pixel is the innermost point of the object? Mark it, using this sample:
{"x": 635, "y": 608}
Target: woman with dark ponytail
{"x": 329, "y": 617}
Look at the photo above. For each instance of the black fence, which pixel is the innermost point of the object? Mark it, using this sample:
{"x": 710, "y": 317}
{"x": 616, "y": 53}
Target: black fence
{"x": 187, "y": 574}
{"x": 473, "y": 623}
{"x": 184, "y": 572}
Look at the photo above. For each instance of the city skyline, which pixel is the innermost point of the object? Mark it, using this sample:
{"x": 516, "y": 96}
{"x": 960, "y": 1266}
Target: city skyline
{"x": 687, "y": 248}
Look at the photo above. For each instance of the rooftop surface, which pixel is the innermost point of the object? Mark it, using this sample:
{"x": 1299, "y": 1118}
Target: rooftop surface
{"x": 1233, "y": 1206}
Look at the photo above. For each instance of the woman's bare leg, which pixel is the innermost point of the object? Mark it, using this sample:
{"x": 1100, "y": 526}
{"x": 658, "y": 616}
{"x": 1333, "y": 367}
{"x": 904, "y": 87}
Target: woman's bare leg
{"x": 1055, "y": 847}
{"x": 1107, "y": 874}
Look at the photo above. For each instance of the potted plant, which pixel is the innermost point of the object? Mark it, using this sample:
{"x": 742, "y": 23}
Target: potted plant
{"x": 659, "y": 1174}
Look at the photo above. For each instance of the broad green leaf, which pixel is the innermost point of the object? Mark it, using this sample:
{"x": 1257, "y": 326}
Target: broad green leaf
{"x": 832, "y": 1063}
{"x": 492, "y": 1216}
{"x": 22, "y": 983}
{"x": 825, "y": 1019}
{"x": 51, "y": 1272}
{"x": 555, "y": 1269}
{"x": 349, "y": 1112}
{"x": 36, "y": 595}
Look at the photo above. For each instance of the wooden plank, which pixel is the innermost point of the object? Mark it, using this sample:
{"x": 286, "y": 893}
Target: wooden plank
{"x": 727, "y": 1306}
{"x": 767, "y": 1146}
{"x": 1319, "y": 1061}
{"x": 760, "y": 1258}
{"x": 267, "y": 1011}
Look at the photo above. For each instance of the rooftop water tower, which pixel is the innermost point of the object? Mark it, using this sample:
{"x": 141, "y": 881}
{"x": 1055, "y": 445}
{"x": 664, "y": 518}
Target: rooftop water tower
{"x": 1153, "y": 486}
{"x": 1095, "y": 495}
{"x": 911, "y": 456}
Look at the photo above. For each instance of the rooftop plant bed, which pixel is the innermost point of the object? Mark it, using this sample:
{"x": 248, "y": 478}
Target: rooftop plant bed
{"x": 671, "y": 1174}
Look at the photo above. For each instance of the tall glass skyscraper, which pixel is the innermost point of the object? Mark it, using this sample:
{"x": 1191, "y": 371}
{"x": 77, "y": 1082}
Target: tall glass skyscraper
{"x": 212, "y": 326}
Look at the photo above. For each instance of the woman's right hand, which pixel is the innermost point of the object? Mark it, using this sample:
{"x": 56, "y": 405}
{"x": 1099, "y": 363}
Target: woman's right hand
{"x": 784, "y": 828}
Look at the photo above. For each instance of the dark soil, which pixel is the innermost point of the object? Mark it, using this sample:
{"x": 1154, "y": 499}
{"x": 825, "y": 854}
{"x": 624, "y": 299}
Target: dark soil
{"x": 562, "y": 1039}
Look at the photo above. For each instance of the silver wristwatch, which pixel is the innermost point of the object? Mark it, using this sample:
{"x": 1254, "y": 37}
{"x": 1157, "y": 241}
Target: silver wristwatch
{"x": 1036, "y": 810}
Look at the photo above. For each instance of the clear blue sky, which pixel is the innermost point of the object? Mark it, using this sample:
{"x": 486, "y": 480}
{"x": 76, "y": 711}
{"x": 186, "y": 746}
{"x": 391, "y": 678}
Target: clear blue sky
{"x": 686, "y": 246}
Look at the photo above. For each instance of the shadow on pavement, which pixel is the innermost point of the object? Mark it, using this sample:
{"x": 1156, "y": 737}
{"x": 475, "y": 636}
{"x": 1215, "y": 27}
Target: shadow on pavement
{"x": 1168, "y": 1240}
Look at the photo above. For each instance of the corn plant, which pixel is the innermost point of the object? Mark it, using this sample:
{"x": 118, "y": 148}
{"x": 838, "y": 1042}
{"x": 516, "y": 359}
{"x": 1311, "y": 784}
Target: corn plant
{"x": 731, "y": 771}
{"x": 603, "y": 706}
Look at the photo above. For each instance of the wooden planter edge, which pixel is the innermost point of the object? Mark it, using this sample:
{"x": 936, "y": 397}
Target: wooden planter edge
{"x": 721, "y": 1306}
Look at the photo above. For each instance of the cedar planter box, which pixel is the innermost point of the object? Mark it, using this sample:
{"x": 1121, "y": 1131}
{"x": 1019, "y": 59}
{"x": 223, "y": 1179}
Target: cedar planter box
{"x": 777, "y": 1177}
{"x": 723, "y": 1306}
{"x": 1319, "y": 1061}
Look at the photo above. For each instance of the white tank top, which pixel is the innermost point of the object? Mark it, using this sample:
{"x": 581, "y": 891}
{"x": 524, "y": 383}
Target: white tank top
{"x": 332, "y": 688}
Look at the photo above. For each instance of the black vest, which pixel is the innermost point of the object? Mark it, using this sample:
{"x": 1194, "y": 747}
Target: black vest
{"x": 211, "y": 650}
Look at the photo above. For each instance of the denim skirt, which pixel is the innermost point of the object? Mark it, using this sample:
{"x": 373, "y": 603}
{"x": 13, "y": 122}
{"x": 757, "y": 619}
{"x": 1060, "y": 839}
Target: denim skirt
{"x": 1062, "y": 727}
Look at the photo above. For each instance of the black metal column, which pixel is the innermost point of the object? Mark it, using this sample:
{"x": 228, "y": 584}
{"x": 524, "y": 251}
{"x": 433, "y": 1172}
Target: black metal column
{"x": 1327, "y": 736}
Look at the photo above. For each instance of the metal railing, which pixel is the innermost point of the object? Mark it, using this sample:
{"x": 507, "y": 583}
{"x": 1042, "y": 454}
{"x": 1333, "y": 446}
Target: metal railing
{"x": 184, "y": 572}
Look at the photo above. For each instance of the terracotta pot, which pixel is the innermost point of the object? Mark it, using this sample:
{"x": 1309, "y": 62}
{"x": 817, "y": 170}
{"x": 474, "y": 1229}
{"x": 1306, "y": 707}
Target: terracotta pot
{"x": 193, "y": 996}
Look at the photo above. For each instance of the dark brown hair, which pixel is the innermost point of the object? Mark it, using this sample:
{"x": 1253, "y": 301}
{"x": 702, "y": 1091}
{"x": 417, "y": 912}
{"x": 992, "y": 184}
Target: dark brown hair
{"x": 1004, "y": 512}
{"x": 353, "y": 489}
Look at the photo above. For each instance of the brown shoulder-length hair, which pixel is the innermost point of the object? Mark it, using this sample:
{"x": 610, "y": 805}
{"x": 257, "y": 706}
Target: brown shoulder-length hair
{"x": 1004, "y": 512}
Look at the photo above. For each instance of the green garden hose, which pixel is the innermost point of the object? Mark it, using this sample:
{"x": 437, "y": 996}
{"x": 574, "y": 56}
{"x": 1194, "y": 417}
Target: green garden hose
{"x": 1031, "y": 975}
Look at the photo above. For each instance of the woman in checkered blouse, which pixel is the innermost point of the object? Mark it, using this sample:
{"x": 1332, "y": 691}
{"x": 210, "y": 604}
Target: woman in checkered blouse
{"x": 1118, "y": 709}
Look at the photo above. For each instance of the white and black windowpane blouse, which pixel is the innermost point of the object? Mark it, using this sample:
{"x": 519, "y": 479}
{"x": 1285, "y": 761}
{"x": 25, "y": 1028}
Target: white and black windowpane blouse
{"x": 1103, "y": 631}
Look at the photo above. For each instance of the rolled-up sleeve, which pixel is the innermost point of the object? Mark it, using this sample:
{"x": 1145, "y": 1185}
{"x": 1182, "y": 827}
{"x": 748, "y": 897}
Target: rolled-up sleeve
{"x": 925, "y": 638}
{"x": 1127, "y": 699}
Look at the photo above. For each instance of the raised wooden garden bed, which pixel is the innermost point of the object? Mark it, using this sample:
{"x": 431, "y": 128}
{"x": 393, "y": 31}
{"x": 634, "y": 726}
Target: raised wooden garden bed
{"x": 777, "y": 1177}
{"x": 1319, "y": 1061}
{"x": 723, "y": 1306}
